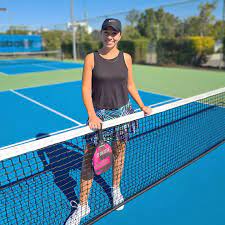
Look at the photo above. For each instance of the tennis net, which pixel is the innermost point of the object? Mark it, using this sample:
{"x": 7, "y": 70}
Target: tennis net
{"x": 40, "y": 178}
{"x": 7, "y": 59}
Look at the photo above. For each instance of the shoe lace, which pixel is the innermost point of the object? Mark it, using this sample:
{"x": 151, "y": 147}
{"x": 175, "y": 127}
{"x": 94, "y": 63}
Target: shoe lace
{"x": 73, "y": 204}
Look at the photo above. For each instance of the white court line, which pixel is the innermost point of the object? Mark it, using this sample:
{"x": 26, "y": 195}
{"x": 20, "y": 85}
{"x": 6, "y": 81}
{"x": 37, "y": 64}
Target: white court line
{"x": 51, "y": 67}
{"x": 167, "y": 101}
{"x": 159, "y": 103}
{"x": 157, "y": 93}
{"x": 45, "y": 107}
{"x": 59, "y": 83}
{"x": 4, "y": 74}
{"x": 50, "y": 134}
{"x": 48, "y": 67}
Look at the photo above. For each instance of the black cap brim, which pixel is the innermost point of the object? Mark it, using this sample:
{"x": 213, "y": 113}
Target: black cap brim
{"x": 113, "y": 27}
{"x": 111, "y": 22}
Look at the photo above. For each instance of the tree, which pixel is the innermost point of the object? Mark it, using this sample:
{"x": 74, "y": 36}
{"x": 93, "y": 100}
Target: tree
{"x": 203, "y": 23}
{"x": 145, "y": 23}
{"x": 206, "y": 18}
{"x": 192, "y": 26}
{"x": 18, "y": 30}
{"x": 131, "y": 33}
{"x": 52, "y": 40}
{"x": 133, "y": 17}
{"x": 82, "y": 34}
{"x": 217, "y": 30}
{"x": 95, "y": 35}
{"x": 157, "y": 24}
{"x": 167, "y": 24}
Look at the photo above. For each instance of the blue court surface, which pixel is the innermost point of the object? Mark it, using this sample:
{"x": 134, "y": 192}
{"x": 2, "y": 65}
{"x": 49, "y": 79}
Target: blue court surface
{"x": 193, "y": 196}
{"x": 48, "y": 109}
{"x": 22, "y": 66}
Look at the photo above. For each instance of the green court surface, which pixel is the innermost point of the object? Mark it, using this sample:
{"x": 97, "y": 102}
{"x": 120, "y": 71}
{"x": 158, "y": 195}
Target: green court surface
{"x": 177, "y": 82}
{"x": 38, "y": 79}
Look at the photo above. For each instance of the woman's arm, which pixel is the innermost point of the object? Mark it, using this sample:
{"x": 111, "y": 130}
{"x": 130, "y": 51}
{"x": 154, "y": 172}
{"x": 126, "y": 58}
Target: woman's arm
{"x": 86, "y": 84}
{"x": 94, "y": 121}
{"x": 131, "y": 85}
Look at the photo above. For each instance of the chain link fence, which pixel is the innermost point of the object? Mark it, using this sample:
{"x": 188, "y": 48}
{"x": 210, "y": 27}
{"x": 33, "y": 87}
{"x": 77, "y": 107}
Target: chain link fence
{"x": 179, "y": 33}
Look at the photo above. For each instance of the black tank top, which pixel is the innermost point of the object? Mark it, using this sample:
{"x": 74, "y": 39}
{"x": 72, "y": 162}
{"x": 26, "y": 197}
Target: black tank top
{"x": 109, "y": 82}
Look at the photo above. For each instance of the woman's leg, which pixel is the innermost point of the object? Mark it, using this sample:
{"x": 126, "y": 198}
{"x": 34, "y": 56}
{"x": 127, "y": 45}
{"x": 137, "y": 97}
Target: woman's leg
{"x": 119, "y": 148}
{"x": 119, "y": 155}
{"x": 87, "y": 175}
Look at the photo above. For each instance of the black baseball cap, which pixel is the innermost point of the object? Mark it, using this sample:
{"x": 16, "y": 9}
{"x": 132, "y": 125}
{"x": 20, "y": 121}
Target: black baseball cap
{"x": 114, "y": 23}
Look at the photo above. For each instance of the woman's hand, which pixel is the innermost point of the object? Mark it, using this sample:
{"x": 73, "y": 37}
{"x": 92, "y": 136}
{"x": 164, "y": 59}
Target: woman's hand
{"x": 147, "y": 110}
{"x": 94, "y": 122}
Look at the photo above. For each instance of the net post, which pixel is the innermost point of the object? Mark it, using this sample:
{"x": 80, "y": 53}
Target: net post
{"x": 222, "y": 62}
{"x": 73, "y": 26}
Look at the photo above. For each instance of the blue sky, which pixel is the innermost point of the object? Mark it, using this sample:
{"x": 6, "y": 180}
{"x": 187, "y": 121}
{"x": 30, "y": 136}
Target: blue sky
{"x": 44, "y": 12}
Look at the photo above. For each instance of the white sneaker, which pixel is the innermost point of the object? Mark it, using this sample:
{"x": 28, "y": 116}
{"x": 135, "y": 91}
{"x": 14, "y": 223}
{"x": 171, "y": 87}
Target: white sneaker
{"x": 78, "y": 214}
{"x": 117, "y": 198}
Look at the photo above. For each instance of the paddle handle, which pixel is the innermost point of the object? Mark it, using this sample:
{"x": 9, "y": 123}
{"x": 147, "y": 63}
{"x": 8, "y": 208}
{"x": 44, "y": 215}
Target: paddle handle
{"x": 100, "y": 135}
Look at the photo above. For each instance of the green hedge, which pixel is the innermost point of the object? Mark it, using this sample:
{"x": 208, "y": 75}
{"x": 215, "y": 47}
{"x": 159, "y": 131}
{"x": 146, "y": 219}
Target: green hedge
{"x": 224, "y": 48}
{"x": 82, "y": 49}
{"x": 183, "y": 51}
{"x": 174, "y": 51}
{"x": 186, "y": 51}
{"x": 57, "y": 39}
{"x": 137, "y": 49}
{"x": 52, "y": 40}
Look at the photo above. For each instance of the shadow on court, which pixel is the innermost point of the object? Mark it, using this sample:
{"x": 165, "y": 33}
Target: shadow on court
{"x": 61, "y": 159}
{"x": 58, "y": 162}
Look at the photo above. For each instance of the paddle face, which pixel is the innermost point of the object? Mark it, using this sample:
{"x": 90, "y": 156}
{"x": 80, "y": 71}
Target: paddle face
{"x": 102, "y": 159}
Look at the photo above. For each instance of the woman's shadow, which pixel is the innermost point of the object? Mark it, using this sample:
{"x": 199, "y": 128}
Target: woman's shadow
{"x": 61, "y": 159}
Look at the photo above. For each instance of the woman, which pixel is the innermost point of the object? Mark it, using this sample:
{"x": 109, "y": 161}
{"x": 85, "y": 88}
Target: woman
{"x": 107, "y": 80}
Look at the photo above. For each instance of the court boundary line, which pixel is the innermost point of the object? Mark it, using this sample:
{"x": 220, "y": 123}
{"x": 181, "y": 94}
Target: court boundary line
{"x": 46, "y": 107}
{"x": 153, "y": 92}
{"x": 49, "y": 67}
{"x": 20, "y": 89}
{"x": 4, "y": 74}
{"x": 58, "y": 69}
{"x": 52, "y": 67}
{"x": 53, "y": 133}
{"x": 160, "y": 103}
